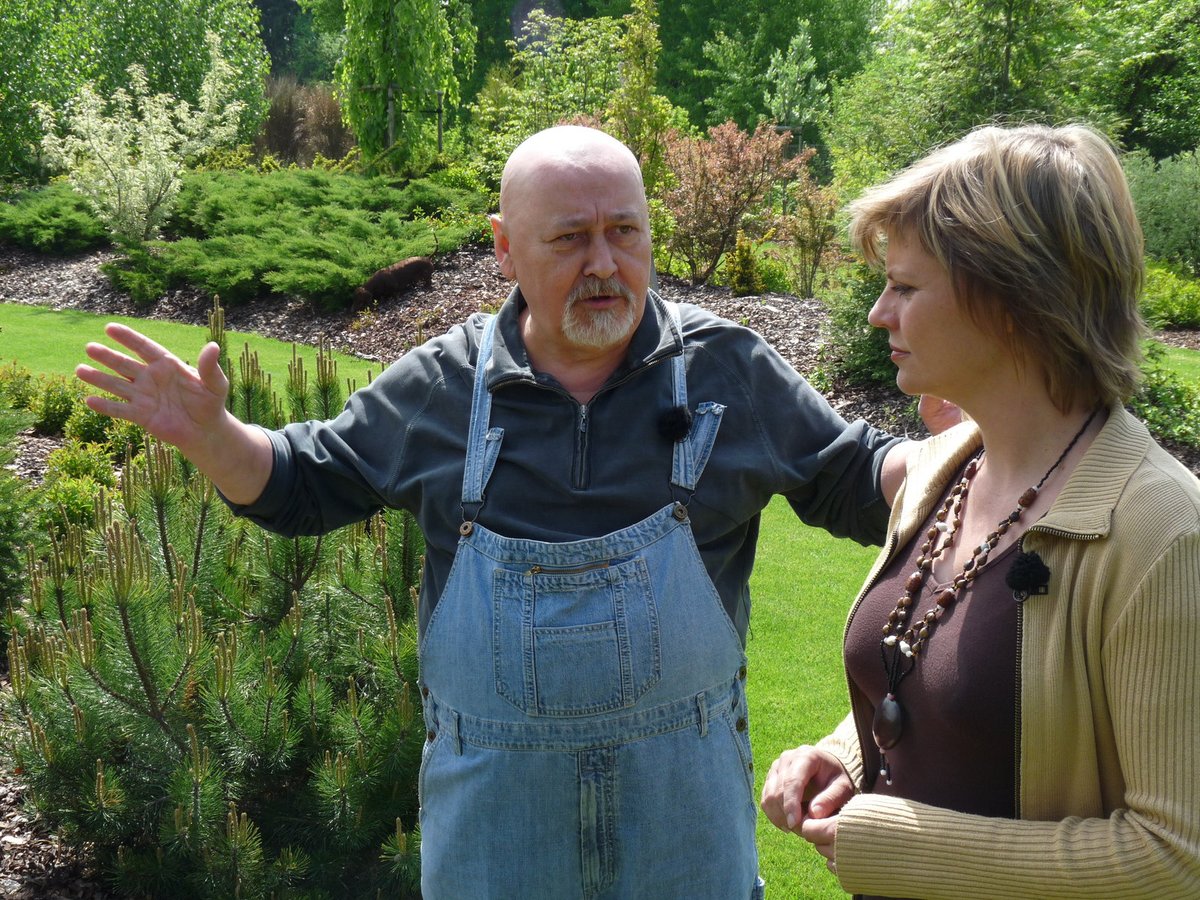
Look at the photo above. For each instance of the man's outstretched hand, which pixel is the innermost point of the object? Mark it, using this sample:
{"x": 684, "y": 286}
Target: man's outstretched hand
{"x": 180, "y": 405}
{"x": 173, "y": 401}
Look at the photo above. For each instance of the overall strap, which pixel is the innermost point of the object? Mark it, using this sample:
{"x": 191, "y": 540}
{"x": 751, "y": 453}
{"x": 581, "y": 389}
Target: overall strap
{"x": 483, "y": 443}
{"x": 691, "y": 452}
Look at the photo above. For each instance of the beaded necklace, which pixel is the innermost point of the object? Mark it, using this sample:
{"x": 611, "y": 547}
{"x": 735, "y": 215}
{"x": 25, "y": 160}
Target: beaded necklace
{"x": 903, "y": 640}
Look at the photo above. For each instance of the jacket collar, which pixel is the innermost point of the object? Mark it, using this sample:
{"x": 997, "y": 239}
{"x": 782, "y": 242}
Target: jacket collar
{"x": 655, "y": 338}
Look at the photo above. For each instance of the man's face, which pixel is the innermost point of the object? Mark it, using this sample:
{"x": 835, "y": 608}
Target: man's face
{"x": 576, "y": 237}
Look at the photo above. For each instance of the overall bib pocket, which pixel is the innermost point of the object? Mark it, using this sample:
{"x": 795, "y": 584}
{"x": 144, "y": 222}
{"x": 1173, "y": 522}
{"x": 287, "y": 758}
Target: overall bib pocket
{"x": 575, "y": 641}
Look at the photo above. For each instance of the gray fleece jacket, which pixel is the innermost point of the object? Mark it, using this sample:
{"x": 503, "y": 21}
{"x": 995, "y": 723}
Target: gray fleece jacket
{"x": 569, "y": 471}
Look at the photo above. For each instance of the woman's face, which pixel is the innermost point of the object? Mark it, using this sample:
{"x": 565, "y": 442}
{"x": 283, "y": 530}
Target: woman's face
{"x": 937, "y": 348}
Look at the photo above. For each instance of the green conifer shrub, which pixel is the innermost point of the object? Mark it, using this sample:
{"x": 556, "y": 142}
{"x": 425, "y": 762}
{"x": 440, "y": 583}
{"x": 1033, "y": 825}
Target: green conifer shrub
{"x": 741, "y": 268}
{"x": 218, "y": 710}
{"x": 51, "y": 219}
{"x": 316, "y": 235}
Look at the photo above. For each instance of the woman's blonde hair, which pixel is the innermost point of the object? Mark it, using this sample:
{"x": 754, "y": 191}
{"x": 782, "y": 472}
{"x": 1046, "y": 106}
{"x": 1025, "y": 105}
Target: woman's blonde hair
{"x": 1038, "y": 232}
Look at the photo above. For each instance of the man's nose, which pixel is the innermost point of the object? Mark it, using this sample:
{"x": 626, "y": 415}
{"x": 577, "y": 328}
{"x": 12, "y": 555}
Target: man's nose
{"x": 601, "y": 262}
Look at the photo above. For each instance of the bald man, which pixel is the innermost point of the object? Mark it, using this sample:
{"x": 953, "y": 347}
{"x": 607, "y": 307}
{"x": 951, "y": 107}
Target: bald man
{"x": 588, "y": 467}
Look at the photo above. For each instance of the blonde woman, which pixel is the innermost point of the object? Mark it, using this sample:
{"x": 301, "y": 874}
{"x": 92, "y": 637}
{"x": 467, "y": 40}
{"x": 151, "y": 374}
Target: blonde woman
{"x": 1024, "y": 658}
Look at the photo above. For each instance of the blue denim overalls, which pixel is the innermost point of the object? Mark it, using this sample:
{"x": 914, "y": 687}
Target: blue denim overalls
{"x": 586, "y": 708}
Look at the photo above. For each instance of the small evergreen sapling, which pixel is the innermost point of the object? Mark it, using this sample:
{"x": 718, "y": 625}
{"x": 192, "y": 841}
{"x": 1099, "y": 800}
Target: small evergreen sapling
{"x": 222, "y": 711}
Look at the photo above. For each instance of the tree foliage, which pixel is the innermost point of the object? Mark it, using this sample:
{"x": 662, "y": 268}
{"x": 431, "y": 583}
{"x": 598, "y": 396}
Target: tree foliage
{"x": 839, "y": 32}
{"x": 53, "y": 47}
{"x": 400, "y": 56}
{"x": 636, "y": 114}
{"x": 562, "y": 69}
{"x": 1148, "y": 72}
{"x": 795, "y": 95}
{"x": 942, "y": 67}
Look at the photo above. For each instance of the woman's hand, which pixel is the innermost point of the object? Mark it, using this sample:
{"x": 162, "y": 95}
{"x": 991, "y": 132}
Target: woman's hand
{"x": 803, "y": 793}
{"x": 803, "y": 784}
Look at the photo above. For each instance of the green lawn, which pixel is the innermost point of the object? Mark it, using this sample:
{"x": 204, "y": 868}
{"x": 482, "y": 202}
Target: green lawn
{"x": 51, "y": 342}
{"x": 803, "y": 584}
{"x": 1185, "y": 363}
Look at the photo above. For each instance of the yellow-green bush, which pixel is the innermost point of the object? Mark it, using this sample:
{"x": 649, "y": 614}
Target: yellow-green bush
{"x": 1171, "y": 299}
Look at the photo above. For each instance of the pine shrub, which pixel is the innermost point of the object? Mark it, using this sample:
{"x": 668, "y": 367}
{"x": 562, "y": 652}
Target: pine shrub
{"x": 51, "y": 219}
{"x": 741, "y": 269}
{"x": 218, "y": 710}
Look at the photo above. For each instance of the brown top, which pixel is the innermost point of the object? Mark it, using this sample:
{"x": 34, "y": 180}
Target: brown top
{"x": 958, "y": 746}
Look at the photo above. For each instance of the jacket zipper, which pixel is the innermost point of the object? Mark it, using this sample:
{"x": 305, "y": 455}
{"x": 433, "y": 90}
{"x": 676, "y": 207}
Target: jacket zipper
{"x": 580, "y": 475}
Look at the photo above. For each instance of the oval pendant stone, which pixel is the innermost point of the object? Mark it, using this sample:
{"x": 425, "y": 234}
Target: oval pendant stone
{"x": 888, "y": 724}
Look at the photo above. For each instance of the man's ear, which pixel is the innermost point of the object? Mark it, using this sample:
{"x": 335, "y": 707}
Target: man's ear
{"x": 500, "y": 241}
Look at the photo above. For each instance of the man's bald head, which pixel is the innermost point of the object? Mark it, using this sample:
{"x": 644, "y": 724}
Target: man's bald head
{"x": 565, "y": 148}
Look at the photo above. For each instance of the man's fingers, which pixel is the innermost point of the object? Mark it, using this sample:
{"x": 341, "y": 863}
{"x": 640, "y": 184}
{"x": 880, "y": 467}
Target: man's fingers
{"x": 208, "y": 365}
{"x": 107, "y": 406}
{"x": 103, "y": 381}
{"x": 115, "y": 360}
{"x": 147, "y": 349}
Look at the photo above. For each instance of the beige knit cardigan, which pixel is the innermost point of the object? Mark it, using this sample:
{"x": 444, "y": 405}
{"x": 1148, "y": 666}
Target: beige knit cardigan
{"x": 1109, "y": 716}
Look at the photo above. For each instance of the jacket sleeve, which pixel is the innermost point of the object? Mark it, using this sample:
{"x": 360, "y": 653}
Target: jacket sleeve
{"x": 1147, "y": 846}
{"x": 327, "y": 474}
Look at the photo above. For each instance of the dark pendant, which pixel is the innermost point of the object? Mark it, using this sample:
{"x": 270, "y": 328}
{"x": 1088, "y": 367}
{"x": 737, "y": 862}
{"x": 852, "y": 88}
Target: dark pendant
{"x": 888, "y": 724}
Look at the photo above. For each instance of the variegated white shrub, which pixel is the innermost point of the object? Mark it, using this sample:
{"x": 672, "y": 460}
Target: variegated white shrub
{"x": 126, "y": 155}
